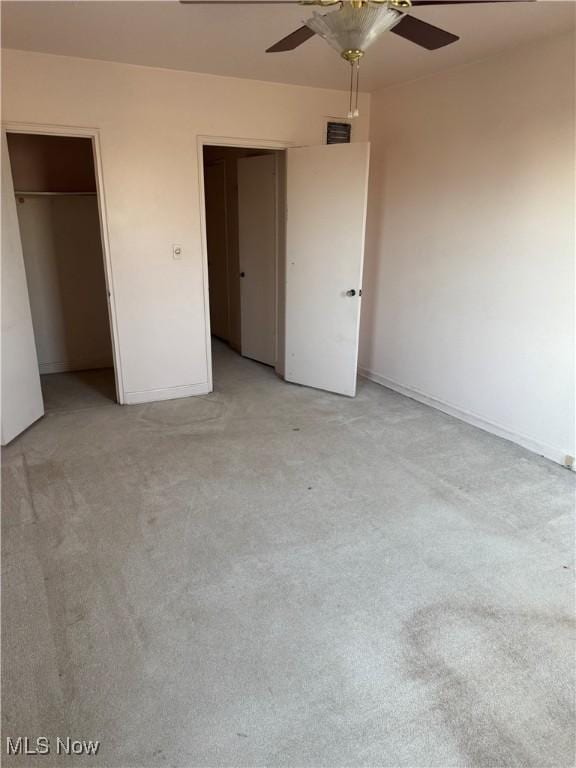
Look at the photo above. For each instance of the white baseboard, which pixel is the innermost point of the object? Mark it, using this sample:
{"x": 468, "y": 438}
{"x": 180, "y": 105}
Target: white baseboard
{"x": 75, "y": 365}
{"x": 548, "y": 451}
{"x": 170, "y": 393}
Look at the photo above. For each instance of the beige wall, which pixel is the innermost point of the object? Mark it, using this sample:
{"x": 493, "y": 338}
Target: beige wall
{"x": 469, "y": 280}
{"x": 150, "y": 120}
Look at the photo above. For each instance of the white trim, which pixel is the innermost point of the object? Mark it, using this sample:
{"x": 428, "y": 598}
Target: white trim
{"x": 550, "y": 452}
{"x": 94, "y": 134}
{"x": 75, "y": 365}
{"x": 228, "y": 141}
{"x": 204, "y": 260}
{"x": 169, "y": 393}
{"x": 219, "y": 141}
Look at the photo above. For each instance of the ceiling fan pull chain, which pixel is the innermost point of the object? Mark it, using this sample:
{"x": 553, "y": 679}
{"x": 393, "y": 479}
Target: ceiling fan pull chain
{"x": 351, "y": 89}
{"x": 356, "y": 111}
{"x": 354, "y": 88}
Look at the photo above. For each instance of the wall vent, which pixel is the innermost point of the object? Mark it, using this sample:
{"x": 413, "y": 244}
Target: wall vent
{"x": 338, "y": 133}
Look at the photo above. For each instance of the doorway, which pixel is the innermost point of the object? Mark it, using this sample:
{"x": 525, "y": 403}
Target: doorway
{"x": 320, "y": 202}
{"x": 243, "y": 192}
{"x": 58, "y": 210}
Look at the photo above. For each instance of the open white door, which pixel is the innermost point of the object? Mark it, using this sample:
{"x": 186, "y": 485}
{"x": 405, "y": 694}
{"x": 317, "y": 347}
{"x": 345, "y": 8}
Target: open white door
{"x": 22, "y": 401}
{"x": 326, "y": 196}
{"x": 257, "y": 240}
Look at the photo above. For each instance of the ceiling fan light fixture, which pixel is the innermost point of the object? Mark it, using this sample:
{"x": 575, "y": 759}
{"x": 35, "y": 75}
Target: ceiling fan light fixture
{"x": 351, "y": 30}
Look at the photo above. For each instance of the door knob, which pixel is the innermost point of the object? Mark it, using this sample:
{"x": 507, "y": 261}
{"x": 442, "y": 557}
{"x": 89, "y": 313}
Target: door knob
{"x": 242, "y": 274}
{"x": 351, "y": 292}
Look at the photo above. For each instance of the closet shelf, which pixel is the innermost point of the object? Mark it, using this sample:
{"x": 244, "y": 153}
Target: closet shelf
{"x": 52, "y": 194}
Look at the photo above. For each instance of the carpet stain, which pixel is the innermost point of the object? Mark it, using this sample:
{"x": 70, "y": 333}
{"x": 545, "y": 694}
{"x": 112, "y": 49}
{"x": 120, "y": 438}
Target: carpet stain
{"x": 480, "y": 667}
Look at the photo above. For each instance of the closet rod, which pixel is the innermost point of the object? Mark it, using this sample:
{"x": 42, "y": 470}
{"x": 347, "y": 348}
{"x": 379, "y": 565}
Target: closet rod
{"x": 53, "y": 194}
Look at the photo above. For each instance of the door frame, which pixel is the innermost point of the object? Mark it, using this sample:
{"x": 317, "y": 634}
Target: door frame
{"x": 227, "y": 141}
{"x": 94, "y": 135}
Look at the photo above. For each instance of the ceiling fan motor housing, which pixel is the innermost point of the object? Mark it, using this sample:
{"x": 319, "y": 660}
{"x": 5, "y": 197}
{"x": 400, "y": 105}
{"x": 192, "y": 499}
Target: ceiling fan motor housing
{"x": 354, "y": 27}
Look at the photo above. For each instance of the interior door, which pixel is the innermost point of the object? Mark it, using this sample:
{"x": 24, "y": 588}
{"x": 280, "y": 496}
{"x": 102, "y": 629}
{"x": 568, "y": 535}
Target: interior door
{"x": 22, "y": 401}
{"x": 217, "y": 242}
{"x": 257, "y": 239}
{"x": 326, "y": 196}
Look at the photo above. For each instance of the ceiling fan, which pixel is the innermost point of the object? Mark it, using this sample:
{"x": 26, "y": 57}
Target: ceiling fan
{"x": 356, "y": 24}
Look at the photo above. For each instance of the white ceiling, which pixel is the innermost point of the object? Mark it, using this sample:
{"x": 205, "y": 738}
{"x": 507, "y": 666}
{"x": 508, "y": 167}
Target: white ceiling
{"x": 227, "y": 40}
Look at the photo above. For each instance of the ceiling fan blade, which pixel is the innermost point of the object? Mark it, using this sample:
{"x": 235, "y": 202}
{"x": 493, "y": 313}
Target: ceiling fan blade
{"x": 423, "y": 3}
{"x": 239, "y": 2}
{"x": 420, "y": 32}
{"x": 292, "y": 40}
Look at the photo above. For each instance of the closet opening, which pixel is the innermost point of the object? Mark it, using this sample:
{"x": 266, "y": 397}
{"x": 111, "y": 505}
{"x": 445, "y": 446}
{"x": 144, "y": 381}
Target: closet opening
{"x": 244, "y": 204}
{"x": 59, "y": 218}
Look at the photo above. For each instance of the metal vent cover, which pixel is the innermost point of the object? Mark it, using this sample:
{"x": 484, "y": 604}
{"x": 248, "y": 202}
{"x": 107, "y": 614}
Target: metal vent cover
{"x": 338, "y": 133}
